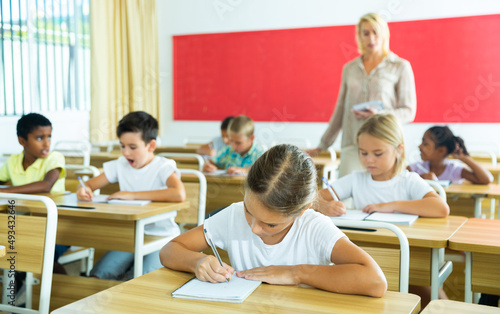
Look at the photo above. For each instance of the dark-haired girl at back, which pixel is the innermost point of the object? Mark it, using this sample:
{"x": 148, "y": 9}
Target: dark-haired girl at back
{"x": 438, "y": 143}
{"x": 274, "y": 236}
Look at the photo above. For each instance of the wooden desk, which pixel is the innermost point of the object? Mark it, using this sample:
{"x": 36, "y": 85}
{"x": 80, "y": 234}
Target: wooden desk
{"x": 152, "y": 293}
{"x": 475, "y": 191}
{"x": 480, "y": 238}
{"x": 494, "y": 192}
{"x": 176, "y": 149}
{"x": 325, "y": 167}
{"x": 428, "y": 237}
{"x": 109, "y": 227}
{"x": 222, "y": 190}
{"x": 453, "y": 307}
{"x": 97, "y": 159}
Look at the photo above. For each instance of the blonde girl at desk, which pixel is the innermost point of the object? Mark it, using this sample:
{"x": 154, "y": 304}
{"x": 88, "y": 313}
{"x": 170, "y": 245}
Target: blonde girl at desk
{"x": 274, "y": 236}
{"x": 438, "y": 143}
{"x": 385, "y": 185}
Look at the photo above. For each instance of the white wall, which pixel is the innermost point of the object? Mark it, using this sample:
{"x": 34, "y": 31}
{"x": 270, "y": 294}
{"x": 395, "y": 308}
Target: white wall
{"x": 177, "y": 17}
{"x": 68, "y": 125}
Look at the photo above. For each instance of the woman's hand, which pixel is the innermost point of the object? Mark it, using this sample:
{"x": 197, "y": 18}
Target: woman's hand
{"x": 365, "y": 114}
{"x": 381, "y": 208}
{"x": 209, "y": 269}
{"x": 313, "y": 152}
{"x": 276, "y": 275}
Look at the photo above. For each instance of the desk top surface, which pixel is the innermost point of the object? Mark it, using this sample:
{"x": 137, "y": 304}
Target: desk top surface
{"x": 152, "y": 292}
{"x": 478, "y": 235}
{"x": 424, "y": 232}
{"x": 469, "y": 188}
{"x": 453, "y": 307}
{"x": 103, "y": 210}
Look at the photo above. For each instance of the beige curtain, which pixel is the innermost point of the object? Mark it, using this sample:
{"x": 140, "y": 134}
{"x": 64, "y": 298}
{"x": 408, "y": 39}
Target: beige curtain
{"x": 124, "y": 63}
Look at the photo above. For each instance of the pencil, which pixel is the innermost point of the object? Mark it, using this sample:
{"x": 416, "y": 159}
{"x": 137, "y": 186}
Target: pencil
{"x": 212, "y": 245}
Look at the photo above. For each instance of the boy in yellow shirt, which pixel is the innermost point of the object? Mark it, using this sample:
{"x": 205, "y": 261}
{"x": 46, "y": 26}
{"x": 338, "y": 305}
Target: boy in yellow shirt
{"x": 35, "y": 170}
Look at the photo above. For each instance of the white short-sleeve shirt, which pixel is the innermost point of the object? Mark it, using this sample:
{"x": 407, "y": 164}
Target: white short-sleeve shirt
{"x": 310, "y": 240}
{"x": 151, "y": 177}
{"x": 365, "y": 191}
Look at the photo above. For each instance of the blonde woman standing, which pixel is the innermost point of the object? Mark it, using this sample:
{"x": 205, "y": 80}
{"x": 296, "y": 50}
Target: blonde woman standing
{"x": 377, "y": 75}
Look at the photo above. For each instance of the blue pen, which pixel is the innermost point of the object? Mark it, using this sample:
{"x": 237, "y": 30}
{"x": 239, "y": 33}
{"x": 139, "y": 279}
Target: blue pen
{"x": 329, "y": 187}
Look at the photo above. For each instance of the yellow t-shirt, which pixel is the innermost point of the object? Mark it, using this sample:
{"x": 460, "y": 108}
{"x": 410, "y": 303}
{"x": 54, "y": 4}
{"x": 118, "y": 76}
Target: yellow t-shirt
{"x": 13, "y": 170}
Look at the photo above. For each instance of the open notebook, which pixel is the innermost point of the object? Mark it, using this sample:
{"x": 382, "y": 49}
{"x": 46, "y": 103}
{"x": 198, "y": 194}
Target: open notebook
{"x": 394, "y": 218}
{"x": 222, "y": 172}
{"x": 102, "y": 199}
{"x": 234, "y": 291}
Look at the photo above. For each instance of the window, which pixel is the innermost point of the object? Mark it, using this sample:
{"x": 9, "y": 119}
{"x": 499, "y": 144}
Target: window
{"x": 44, "y": 56}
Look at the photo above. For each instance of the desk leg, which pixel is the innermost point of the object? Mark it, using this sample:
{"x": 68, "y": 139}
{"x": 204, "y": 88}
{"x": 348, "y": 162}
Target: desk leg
{"x": 434, "y": 274}
{"x": 139, "y": 246}
{"x": 477, "y": 206}
{"x": 468, "y": 277}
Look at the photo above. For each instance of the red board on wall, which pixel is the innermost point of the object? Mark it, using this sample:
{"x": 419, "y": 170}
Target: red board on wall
{"x": 294, "y": 74}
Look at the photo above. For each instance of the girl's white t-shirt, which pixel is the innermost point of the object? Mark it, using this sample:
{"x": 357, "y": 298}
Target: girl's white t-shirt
{"x": 151, "y": 177}
{"x": 365, "y": 191}
{"x": 310, "y": 240}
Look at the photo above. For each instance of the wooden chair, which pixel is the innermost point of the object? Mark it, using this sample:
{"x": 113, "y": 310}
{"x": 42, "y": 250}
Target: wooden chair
{"x": 197, "y": 195}
{"x": 397, "y": 273}
{"x": 186, "y": 160}
{"x": 33, "y": 241}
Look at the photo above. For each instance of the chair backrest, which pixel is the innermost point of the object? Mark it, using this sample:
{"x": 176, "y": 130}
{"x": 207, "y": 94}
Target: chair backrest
{"x": 32, "y": 238}
{"x": 438, "y": 188}
{"x": 75, "y": 152}
{"x": 74, "y": 171}
{"x": 195, "y": 184}
{"x": 397, "y": 273}
{"x": 186, "y": 160}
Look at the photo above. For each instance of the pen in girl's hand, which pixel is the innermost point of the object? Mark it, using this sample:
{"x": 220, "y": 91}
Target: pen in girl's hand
{"x": 212, "y": 245}
{"x": 329, "y": 187}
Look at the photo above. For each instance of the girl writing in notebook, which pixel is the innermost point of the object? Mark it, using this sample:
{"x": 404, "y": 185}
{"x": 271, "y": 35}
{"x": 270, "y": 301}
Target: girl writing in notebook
{"x": 385, "y": 185}
{"x": 438, "y": 143}
{"x": 274, "y": 236}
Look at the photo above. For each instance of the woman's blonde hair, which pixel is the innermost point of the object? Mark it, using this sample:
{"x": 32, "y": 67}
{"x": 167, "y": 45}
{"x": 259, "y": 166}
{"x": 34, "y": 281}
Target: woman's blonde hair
{"x": 284, "y": 180}
{"x": 386, "y": 128}
{"x": 381, "y": 28}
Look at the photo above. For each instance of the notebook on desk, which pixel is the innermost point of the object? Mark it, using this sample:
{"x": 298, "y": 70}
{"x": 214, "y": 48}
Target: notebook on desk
{"x": 394, "y": 218}
{"x": 103, "y": 199}
{"x": 234, "y": 291}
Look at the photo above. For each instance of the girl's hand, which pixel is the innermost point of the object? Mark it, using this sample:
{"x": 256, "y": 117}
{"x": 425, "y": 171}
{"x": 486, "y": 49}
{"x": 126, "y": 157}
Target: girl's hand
{"x": 209, "y": 269}
{"x": 329, "y": 207}
{"x": 364, "y": 114}
{"x": 84, "y": 194}
{"x": 276, "y": 275}
{"x": 209, "y": 167}
{"x": 381, "y": 208}
{"x": 122, "y": 195}
{"x": 458, "y": 153}
{"x": 429, "y": 176}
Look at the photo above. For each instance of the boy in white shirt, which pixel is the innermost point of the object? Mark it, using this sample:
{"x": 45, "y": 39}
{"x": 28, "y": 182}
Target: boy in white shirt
{"x": 141, "y": 176}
